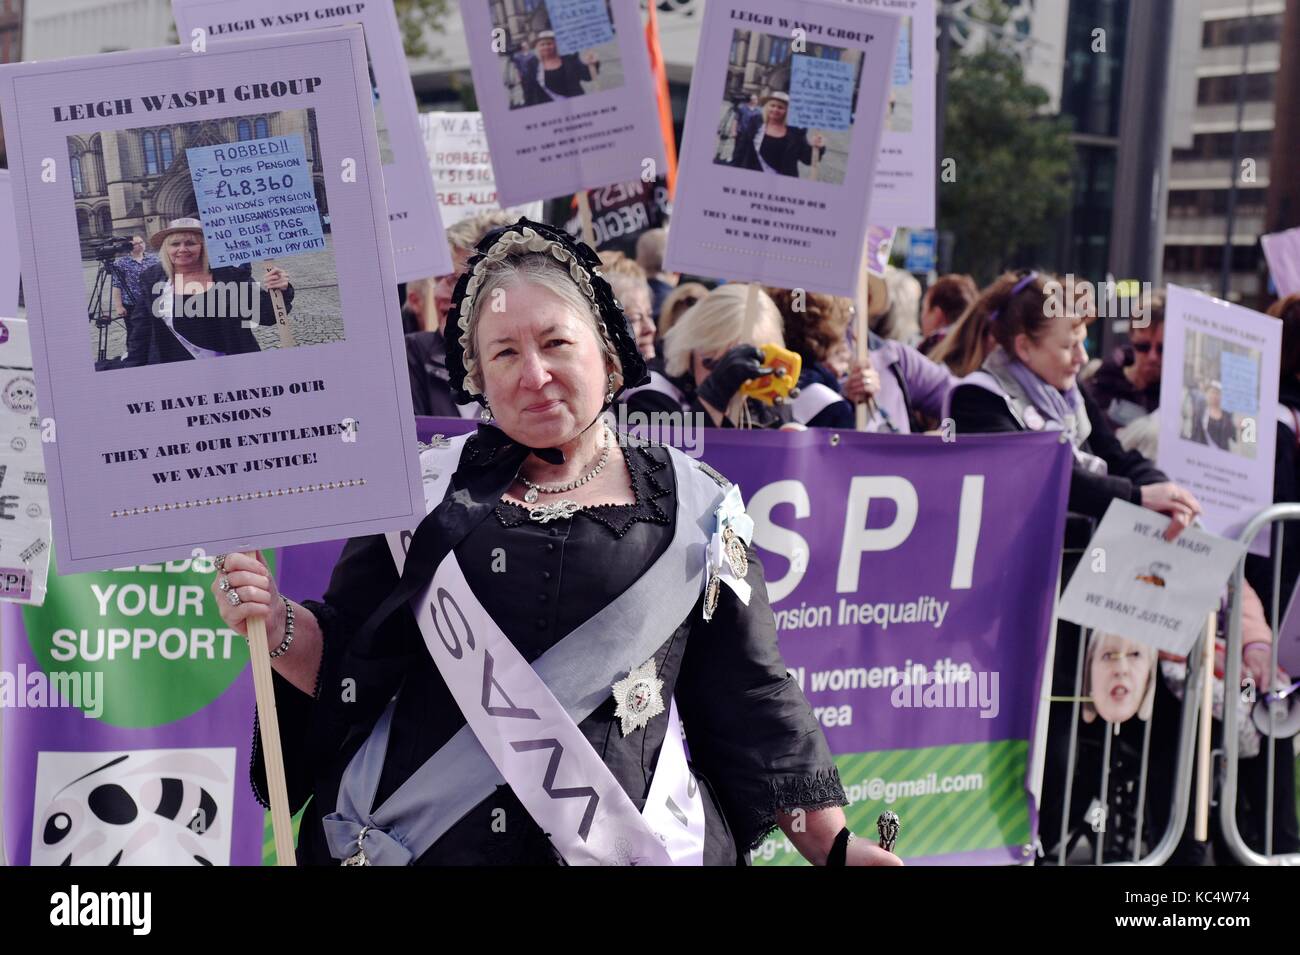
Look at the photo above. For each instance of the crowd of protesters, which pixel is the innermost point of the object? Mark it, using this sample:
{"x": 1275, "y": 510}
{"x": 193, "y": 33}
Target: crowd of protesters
{"x": 953, "y": 357}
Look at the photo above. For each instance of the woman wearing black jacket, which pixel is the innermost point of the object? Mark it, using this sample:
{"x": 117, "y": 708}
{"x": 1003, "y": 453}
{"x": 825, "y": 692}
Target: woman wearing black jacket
{"x": 765, "y": 143}
{"x": 188, "y": 310}
{"x": 546, "y": 75}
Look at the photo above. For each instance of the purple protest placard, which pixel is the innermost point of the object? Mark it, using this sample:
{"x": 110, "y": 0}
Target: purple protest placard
{"x": 8, "y": 250}
{"x": 560, "y": 122}
{"x": 1218, "y": 400}
{"x": 419, "y": 245}
{"x": 903, "y": 191}
{"x": 182, "y": 422}
{"x": 759, "y": 198}
{"x": 880, "y": 552}
{"x": 1282, "y": 250}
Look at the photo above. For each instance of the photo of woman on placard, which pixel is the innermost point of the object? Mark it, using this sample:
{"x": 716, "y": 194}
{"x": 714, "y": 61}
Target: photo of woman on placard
{"x": 188, "y": 309}
{"x": 765, "y": 143}
{"x": 547, "y": 76}
{"x": 1213, "y": 425}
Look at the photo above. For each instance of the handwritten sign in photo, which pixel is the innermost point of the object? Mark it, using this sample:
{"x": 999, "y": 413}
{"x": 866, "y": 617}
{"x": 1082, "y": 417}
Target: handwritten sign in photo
{"x": 821, "y": 92}
{"x": 462, "y": 168}
{"x": 579, "y": 24}
{"x": 256, "y": 199}
{"x": 1240, "y": 374}
{"x": 903, "y": 56}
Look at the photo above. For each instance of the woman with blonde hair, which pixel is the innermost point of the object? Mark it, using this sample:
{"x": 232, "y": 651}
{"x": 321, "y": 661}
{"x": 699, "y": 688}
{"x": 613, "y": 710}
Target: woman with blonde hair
{"x": 709, "y": 353}
{"x": 189, "y": 310}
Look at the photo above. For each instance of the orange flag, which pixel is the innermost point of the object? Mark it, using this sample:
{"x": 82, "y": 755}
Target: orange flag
{"x": 661, "y": 94}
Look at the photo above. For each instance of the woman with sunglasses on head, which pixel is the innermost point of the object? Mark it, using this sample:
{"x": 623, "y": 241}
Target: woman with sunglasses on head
{"x": 1027, "y": 382}
{"x": 1127, "y": 385}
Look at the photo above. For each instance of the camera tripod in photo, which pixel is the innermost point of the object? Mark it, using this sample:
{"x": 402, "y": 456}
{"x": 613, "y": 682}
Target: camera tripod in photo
{"x": 99, "y": 306}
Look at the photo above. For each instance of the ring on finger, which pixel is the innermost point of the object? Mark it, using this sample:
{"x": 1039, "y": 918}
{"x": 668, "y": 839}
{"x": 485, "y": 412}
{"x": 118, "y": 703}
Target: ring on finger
{"x": 225, "y": 582}
{"x": 234, "y": 598}
{"x": 220, "y": 563}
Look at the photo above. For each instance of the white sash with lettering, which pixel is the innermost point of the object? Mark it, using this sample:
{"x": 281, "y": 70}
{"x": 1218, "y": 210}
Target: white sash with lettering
{"x": 164, "y": 311}
{"x": 535, "y": 744}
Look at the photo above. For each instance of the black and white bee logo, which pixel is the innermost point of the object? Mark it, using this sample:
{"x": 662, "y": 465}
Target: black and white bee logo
{"x": 152, "y": 807}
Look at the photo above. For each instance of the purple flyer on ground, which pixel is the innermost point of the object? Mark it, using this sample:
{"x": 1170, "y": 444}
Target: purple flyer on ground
{"x": 8, "y": 250}
{"x": 903, "y": 192}
{"x": 419, "y": 245}
{"x": 1218, "y": 408}
{"x": 201, "y": 400}
{"x": 759, "y": 196}
{"x": 566, "y": 95}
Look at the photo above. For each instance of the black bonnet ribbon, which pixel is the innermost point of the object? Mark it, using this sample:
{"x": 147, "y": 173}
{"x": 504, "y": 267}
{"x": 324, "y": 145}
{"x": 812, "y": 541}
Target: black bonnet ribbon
{"x": 489, "y": 465}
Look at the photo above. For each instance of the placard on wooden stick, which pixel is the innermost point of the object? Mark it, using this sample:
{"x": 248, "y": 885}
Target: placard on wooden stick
{"x": 178, "y": 431}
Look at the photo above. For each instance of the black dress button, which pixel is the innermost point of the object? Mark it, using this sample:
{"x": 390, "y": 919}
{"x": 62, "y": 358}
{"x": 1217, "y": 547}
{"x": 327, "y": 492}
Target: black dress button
{"x": 550, "y": 546}
{"x": 546, "y": 575}
{"x": 555, "y": 532}
{"x": 542, "y": 598}
{"x": 541, "y": 623}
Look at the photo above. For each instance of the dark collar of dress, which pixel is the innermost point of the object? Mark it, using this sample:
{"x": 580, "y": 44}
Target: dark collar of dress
{"x": 487, "y": 468}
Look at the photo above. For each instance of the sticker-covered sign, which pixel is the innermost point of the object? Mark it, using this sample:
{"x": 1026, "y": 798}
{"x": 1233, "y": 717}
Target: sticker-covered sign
{"x": 24, "y": 499}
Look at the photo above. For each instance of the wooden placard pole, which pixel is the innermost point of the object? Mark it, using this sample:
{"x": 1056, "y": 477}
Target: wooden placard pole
{"x": 861, "y": 326}
{"x": 1204, "y": 775}
{"x": 281, "y": 310}
{"x": 277, "y": 790}
{"x": 584, "y": 213}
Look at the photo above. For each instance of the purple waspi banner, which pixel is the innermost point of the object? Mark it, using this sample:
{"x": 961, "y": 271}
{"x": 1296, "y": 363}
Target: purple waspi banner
{"x": 881, "y": 552}
{"x": 885, "y": 553}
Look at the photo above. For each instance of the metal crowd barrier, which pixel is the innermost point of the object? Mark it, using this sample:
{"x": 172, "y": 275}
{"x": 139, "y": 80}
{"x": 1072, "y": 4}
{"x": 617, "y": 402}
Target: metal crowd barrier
{"x": 1182, "y": 783}
{"x": 1181, "y": 789}
{"x": 1276, "y": 516}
